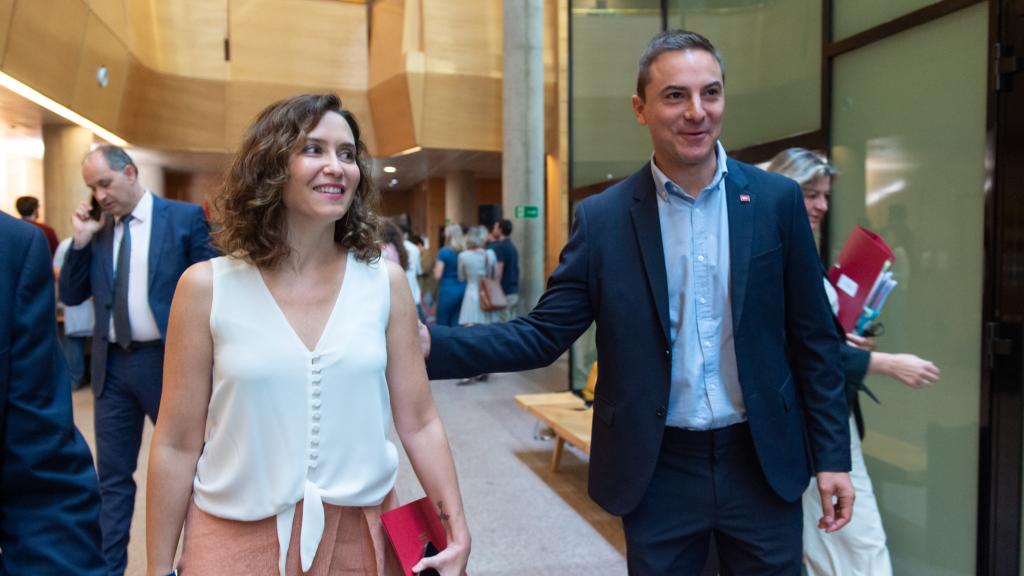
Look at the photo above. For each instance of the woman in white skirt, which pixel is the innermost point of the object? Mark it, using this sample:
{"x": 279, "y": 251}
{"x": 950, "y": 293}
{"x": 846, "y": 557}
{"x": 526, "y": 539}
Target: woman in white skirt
{"x": 475, "y": 262}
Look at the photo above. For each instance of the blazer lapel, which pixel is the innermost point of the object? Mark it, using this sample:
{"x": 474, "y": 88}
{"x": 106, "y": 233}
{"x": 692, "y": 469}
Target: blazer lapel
{"x": 157, "y": 230}
{"x": 741, "y": 205}
{"x": 647, "y": 226}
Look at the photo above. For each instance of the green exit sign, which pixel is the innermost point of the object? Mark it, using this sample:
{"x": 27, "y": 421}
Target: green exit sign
{"x": 527, "y": 211}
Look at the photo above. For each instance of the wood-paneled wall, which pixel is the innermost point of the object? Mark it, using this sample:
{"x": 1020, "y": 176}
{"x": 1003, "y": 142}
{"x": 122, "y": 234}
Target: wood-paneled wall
{"x": 435, "y": 74}
{"x": 170, "y": 84}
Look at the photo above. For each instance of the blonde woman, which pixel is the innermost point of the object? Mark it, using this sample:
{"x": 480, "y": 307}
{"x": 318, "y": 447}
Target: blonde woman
{"x": 450, "y": 288}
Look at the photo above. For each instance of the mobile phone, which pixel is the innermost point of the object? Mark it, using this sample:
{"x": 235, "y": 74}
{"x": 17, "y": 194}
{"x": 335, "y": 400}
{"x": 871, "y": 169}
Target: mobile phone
{"x": 95, "y": 211}
{"x": 429, "y": 550}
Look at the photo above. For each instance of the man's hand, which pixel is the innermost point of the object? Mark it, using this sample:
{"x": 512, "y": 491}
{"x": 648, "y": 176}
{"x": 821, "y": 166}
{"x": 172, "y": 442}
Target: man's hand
{"x": 863, "y": 342}
{"x": 424, "y": 340}
{"x": 83, "y": 228}
{"x": 836, "y": 515}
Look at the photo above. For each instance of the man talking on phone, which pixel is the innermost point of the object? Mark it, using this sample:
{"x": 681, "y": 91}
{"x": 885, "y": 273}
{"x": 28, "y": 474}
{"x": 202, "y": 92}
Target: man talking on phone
{"x": 128, "y": 258}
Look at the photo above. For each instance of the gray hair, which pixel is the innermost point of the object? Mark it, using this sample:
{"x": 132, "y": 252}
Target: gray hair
{"x": 801, "y": 165}
{"x": 476, "y": 237}
{"x": 453, "y": 237}
{"x": 670, "y": 41}
{"x": 115, "y": 156}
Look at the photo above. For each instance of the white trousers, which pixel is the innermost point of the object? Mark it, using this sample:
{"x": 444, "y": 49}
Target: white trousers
{"x": 859, "y": 548}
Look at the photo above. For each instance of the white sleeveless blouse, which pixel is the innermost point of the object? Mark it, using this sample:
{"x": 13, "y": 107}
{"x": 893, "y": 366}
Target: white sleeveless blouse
{"x": 287, "y": 424}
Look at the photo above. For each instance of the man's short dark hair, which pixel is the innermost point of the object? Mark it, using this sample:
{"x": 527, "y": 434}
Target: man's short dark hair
{"x": 506, "y": 226}
{"x": 26, "y": 205}
{"x": 670, "y": 41}
{"x": 115, "y": 156}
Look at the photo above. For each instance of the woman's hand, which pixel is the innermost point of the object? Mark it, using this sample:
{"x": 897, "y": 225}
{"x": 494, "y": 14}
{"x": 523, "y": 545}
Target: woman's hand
{"x": 909, "y": 369}
{"x": 448, "y": 562}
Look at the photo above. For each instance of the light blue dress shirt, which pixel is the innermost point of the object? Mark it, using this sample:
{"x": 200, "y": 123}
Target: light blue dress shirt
{"x": 705, "y": 392}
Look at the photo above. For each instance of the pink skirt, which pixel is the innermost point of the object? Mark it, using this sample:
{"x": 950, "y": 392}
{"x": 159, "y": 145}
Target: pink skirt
{"x": 353, "y": 543}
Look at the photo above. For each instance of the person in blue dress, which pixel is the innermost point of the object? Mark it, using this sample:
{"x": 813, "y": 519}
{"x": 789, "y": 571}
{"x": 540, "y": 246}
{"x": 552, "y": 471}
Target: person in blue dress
{"x": 449, "y": 288}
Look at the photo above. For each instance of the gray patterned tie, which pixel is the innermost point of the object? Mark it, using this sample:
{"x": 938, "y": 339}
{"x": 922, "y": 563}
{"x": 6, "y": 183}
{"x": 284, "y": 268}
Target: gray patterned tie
{"x": 122, "y": 327}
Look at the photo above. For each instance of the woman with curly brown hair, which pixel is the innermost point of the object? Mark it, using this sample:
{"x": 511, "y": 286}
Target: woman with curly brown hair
{"x": 285, "y": 361}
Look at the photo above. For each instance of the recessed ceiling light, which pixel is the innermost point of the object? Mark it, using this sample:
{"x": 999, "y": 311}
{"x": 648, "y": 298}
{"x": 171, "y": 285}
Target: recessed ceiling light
{"x": 390, "y": 169}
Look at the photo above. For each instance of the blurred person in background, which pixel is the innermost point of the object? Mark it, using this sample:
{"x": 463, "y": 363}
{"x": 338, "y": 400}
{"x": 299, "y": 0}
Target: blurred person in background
{"x": 415, "y": 268}
{"x": 860, "y": 548}
{"x": 28, "y": 209}
{"x": 392, "y": 243}
{"x": 450, "y": 288}
{"x": 507, "y": 269}
{"x": 78, "y": 325}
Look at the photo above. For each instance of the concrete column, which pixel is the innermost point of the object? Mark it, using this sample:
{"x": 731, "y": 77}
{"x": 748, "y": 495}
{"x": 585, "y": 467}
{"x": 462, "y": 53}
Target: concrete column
{"x": 460, "y": 198}
{"x": 63, "y": 188}
{"x": 522, "y": 170}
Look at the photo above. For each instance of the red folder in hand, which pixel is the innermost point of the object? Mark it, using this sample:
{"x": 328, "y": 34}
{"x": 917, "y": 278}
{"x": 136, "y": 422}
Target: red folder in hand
{"x": 409, "y": 528}
{"x": 855, "y": 272}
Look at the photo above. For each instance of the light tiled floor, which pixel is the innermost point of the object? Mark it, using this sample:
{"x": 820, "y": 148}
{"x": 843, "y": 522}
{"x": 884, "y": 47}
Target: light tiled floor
{"x": 524, "y": 519}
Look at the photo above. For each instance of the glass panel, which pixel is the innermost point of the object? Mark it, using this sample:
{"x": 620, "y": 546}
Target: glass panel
{"x": 772, "y": 53}
{"x": 850, "y": 17}
{"x": 909, "y": 143}
{"x": 607, "y": 143}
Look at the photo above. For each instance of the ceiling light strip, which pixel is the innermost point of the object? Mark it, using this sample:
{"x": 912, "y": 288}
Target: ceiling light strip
{"x": 25, "y": 91}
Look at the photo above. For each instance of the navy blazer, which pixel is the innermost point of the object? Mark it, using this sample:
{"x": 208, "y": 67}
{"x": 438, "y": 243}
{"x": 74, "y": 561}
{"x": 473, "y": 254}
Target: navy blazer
{"x": 612, "y": 271}
{"x": 49, "y": 497}
{"x": 179, "y": 237}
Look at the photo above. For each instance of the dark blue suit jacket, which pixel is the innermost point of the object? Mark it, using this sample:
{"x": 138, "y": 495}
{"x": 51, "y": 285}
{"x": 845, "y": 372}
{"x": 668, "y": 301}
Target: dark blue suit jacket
{"x": 179, "y": 237}
{"x": 49, "y": 497}
{"x": 612, "y": 271}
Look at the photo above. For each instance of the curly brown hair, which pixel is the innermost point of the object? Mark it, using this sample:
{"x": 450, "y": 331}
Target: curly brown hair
{"x": 249, "y": 210}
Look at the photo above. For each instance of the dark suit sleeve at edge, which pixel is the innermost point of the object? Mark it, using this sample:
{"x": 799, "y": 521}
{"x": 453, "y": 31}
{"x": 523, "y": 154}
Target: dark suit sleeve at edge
{"x": 50, "y": 520}
{"x": 201, "y": 245}
{"x": 562, "y": 314}
{"x": 814, "y": 348}
{"x": 75, "y": 284}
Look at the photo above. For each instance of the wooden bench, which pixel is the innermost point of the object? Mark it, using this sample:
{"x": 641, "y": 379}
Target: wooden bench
{"x": 567, "y": 414}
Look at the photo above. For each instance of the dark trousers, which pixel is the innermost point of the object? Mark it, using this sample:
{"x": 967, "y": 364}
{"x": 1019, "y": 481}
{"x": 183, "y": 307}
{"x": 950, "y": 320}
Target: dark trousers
{"x": 131, "y": 392}
{"x": 710, "y": 482}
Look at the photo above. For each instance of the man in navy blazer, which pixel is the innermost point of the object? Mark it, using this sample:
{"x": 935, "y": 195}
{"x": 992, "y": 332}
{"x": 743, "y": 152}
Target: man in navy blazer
{"x": 720, "y": 390}
{"x": 49, "y": 500}
{"x": 154, "y": 241}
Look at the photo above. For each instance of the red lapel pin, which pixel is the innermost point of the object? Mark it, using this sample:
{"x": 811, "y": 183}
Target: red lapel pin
{"x": 744, "y": 197}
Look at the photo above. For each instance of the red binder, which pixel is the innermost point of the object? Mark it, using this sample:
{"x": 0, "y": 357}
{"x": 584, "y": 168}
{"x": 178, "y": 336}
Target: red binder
{"x": 409, "y": 528}
{"x": 855, "y": 271}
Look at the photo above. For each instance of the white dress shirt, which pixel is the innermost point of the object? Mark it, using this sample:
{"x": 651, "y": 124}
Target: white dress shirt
{"x": 143, "y": 322}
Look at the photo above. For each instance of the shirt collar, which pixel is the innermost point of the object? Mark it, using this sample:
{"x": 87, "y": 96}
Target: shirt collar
{"x": 660, "y": 179}
{"x": 143, "y": 208}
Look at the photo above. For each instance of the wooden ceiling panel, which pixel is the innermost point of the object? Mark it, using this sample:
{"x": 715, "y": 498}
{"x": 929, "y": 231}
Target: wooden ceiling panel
{"x": 464, "y": 37}
{"x": 245, "y": 100}
{"x": 42, "y": 51}
{"x": 172, "y": 112}
{"x": 6, "y": 11}
{"x": 462, "y": 112}
{"x": 113, "y": 14}
{"x": 300, "y": 42}
{"x": 101, "y": 104}
{"x": 387, "y": 47}
{"x": 183, "y": 37}
{"x": 392, "y": 116}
